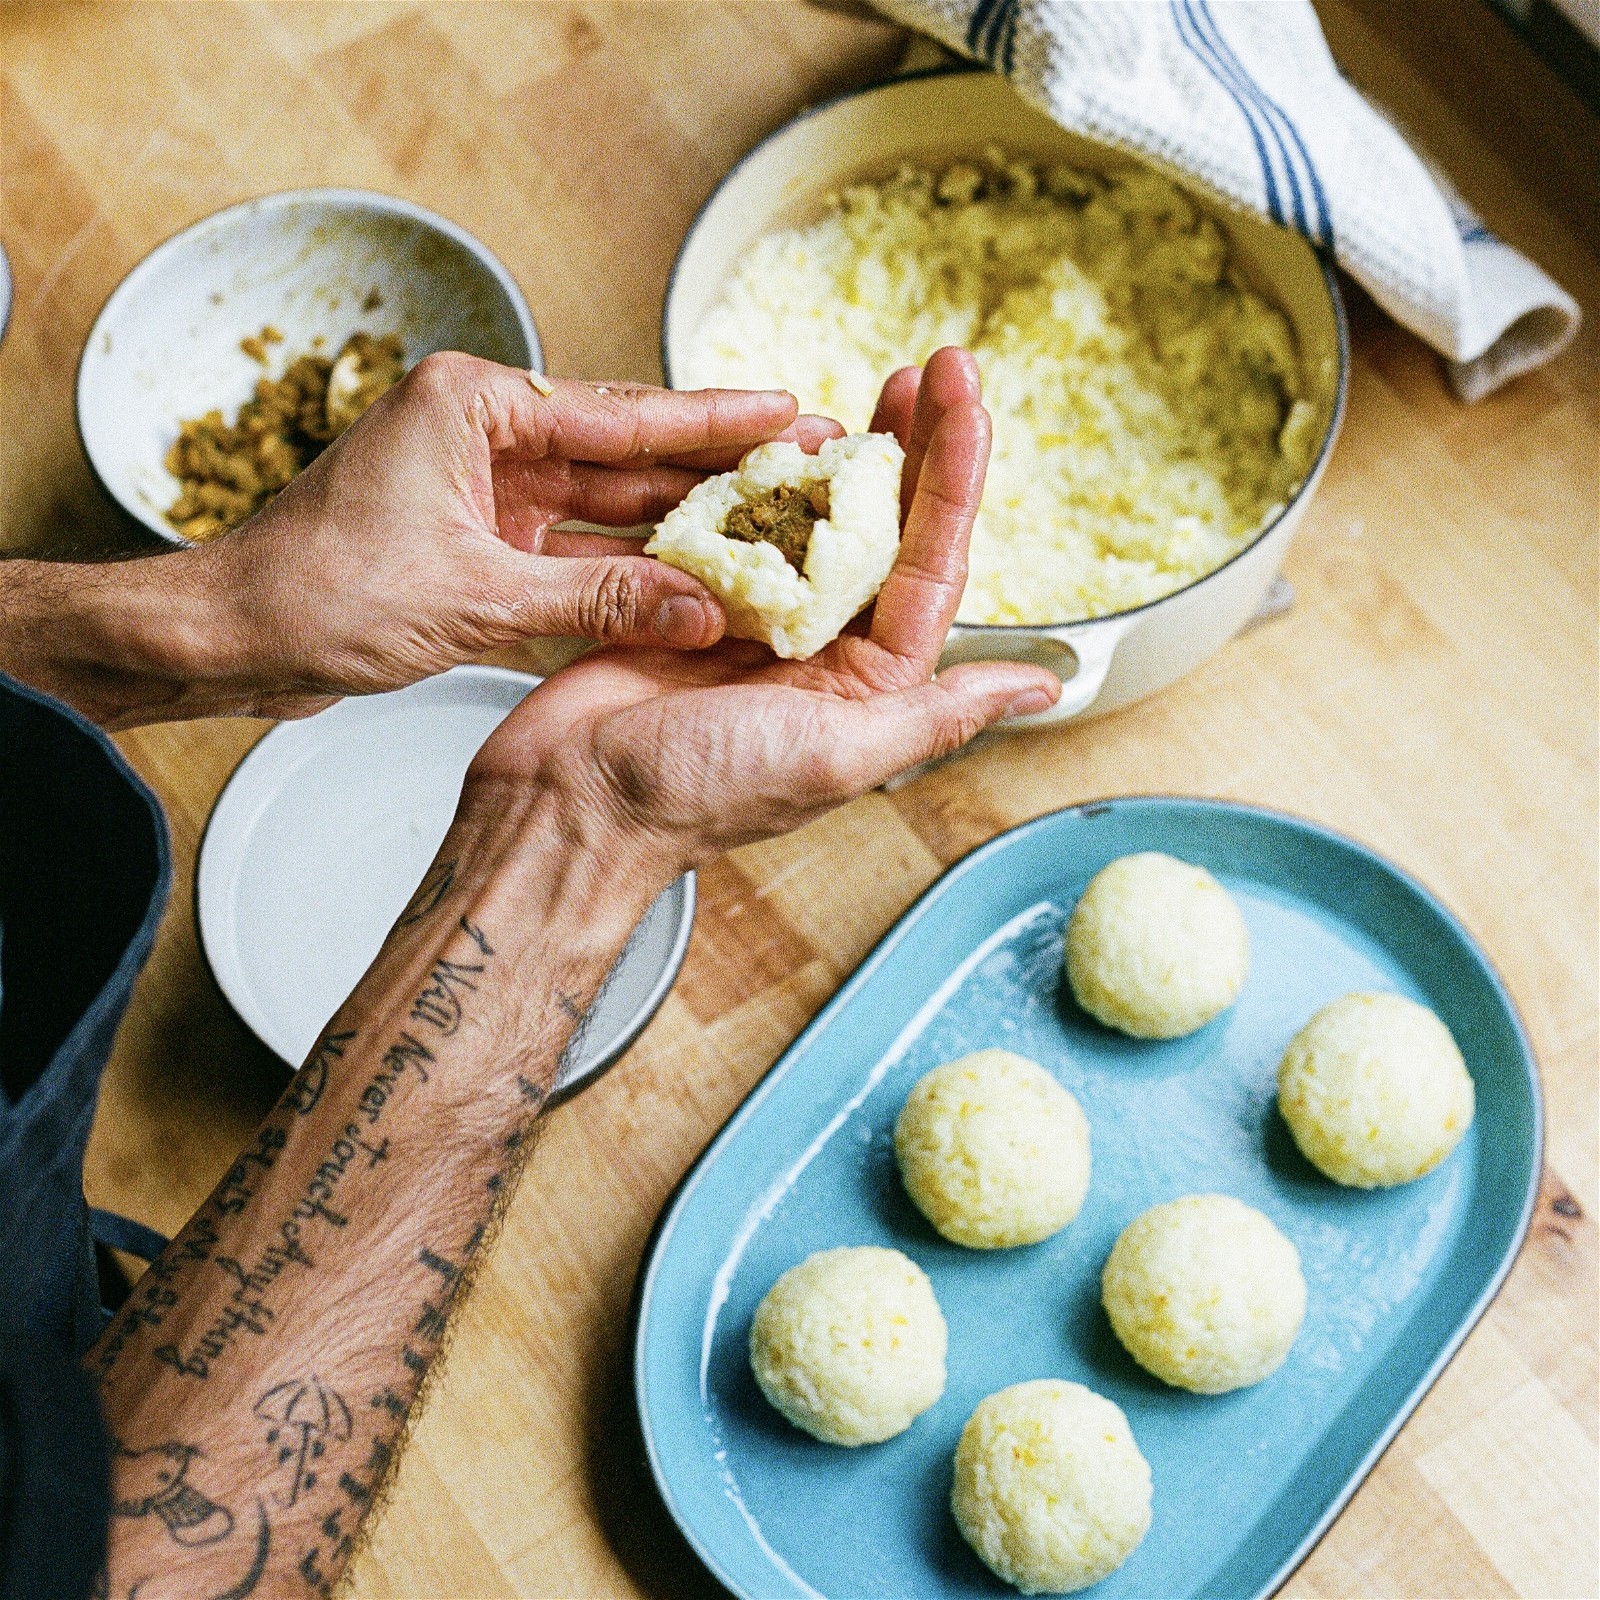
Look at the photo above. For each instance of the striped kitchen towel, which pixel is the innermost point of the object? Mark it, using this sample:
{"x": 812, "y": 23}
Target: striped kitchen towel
{"x": 1242, "y": 98}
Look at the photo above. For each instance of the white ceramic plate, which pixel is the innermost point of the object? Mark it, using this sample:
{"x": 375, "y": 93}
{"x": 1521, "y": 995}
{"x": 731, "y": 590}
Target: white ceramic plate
{"x": 324, "y": 831}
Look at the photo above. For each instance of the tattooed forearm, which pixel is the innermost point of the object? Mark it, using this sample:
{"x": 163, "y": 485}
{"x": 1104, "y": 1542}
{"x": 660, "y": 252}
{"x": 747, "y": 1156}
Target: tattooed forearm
{"x": 437, "y": 1009}
{"x": 271, "y": 1361}
{"x": 250, "y": 1308}
{"x": 392, "y": 1404}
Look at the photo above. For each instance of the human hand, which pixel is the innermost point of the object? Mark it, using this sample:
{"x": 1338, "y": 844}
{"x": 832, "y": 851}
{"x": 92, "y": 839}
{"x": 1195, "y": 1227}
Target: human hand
{"x": 426, "y": 535}
{"x": 685, "y": 756}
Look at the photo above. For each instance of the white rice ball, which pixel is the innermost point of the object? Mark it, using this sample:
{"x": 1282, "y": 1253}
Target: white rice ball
{"x": 850, "y": 552}
{"x": 1050, "y": 1488}
{"x": 1375, "y": 1091}
{"x": 993, "y": 1151}
{"x": 850, "y": 1344}
{"x": 1156, "y": 947}
{"x": 1205, "y": 1293}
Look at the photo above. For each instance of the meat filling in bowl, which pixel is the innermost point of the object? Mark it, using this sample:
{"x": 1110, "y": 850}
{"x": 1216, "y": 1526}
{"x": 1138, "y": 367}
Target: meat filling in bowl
{"x": 230, "y": 470}
{"x": 782, "y": 517}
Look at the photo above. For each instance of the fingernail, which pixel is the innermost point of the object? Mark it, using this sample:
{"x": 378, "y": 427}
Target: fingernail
{"x": 681, "y": 620}
{"x": 1029, "y": 702}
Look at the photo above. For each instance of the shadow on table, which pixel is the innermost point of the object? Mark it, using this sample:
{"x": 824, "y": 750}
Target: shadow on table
{"x": 75, "y": 520}
{"x": 636, "y": 1524}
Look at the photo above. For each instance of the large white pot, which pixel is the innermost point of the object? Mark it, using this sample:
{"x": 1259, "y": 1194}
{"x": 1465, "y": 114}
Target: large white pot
{"x": 933, "y": 119}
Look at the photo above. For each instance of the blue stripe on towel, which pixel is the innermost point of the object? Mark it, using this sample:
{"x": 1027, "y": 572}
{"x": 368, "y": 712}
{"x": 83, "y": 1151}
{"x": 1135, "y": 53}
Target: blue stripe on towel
{"x": 1325, "y": 236}
{"x": 975, "y": 23}
{"x": 1241, "y": 81}
{"x": 1001, "y": 20}
{"x": 988, "y": 21}
{"x": 1191, "y": 38}
{"x": 1008, "y": 48}
{"x": 1282, "y": 124}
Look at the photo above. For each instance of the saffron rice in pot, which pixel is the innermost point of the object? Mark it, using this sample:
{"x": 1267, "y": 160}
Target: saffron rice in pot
{"x": 1149, "y": 405}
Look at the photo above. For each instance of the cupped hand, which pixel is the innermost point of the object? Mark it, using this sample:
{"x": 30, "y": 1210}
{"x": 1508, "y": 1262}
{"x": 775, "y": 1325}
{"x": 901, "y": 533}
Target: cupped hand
{"x": 427, "y": 534}
{"x": 690, "y": 755}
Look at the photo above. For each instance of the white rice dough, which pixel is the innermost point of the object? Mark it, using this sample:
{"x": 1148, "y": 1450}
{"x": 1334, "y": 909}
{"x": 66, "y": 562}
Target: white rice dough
{"x": 1374, "y": 1090}
{"x": 850, "y": 1344}
{"x": 1050, "y": 1488}
{"x": 850, "y": 553}
{"x": 993, "y": 1151}
{"x": 1156, "y": 947}
{"x": 1205, "y": 1293}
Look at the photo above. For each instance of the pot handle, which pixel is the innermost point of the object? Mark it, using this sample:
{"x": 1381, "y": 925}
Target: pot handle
{"x": 1080, "y": 657}
{"x": 1091, "y": 653}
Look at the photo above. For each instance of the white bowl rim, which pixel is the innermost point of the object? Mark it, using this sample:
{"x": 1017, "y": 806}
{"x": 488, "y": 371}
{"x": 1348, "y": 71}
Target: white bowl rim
{"x": 565, "y": 1087}
{"x": 1329, "y": 278}
{"x": 275, "y": 200}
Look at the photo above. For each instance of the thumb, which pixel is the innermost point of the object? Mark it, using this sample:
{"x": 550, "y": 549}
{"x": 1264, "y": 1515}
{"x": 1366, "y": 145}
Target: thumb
{"x": 935, "y": 719}
{"x": 624, "y": 599}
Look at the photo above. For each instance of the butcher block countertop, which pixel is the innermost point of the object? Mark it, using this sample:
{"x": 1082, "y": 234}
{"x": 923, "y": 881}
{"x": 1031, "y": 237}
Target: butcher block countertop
{"x": 1431, "y": 692}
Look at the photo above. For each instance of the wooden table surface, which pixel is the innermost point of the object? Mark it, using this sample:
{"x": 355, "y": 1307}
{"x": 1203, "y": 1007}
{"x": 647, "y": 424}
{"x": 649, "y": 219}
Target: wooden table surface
{"x": 1431, "y": 693}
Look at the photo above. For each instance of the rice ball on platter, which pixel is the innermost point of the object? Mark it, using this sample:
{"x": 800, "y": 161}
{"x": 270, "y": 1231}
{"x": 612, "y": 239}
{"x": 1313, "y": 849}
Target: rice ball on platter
{"x": 1205, "y": 1293}
{"x": 1374, "y": 1090}
{"x": 850, "y": 1344}
{"x": 1155, "y": 947}
{"x": 793, "y": 545}
{"x": 1050, "y": 1488}
{"x": 993, "y": 1151}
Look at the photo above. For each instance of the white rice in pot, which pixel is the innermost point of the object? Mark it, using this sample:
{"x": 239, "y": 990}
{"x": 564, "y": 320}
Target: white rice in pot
{"x": 1148, "y": 406}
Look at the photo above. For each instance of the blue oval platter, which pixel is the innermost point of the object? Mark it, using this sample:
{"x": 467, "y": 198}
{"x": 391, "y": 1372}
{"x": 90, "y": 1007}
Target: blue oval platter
{"x": 1244, "y": 1483}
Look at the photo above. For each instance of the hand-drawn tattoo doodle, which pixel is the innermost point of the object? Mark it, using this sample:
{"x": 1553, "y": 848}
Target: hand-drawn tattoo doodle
{"x": 309, "y": 1082}
{"x": 433, "y": 888}
{"x": 155, "y": 1482}
{"x": 301, "y": 1416}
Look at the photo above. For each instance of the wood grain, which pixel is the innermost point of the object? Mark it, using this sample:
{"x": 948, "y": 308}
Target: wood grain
{"x": 1431, "y": 693}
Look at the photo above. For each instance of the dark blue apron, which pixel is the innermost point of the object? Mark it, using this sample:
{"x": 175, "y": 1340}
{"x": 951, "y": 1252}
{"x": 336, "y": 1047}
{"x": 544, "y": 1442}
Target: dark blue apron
{"x": 84, "y": 873}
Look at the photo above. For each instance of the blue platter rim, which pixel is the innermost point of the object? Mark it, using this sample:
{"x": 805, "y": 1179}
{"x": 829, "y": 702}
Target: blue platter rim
{"x": 1200, "y": 807}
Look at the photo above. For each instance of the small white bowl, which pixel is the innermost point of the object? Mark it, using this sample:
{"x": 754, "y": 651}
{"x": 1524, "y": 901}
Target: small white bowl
{"x": 165, "y": 347}
{"x": 324, "y": 831}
